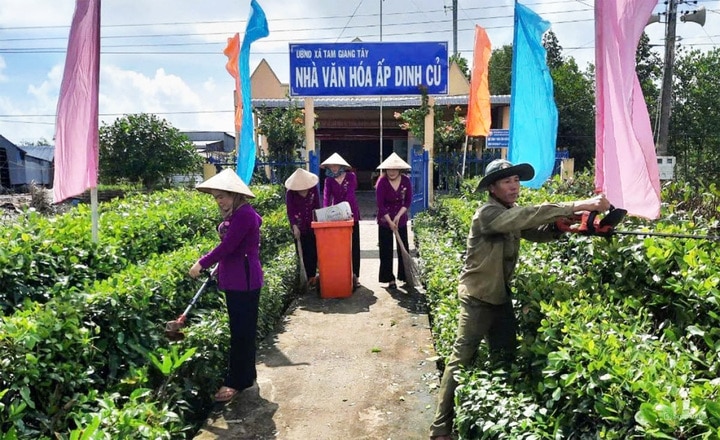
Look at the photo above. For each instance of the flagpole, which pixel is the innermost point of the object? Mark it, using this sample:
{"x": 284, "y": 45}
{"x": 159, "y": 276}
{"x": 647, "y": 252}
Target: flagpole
{"x": 381, "y": 98}
{"x": 464, "y": 155}
{"x": 93, "y": 190}
{"x": 94, "y": 213}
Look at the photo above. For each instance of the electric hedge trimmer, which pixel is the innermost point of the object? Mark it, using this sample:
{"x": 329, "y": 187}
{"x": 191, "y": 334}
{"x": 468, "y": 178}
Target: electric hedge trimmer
{"x": 589, "y": 223}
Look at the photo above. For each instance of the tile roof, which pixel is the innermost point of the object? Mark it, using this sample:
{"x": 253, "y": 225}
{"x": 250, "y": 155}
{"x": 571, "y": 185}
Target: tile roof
{"x": 374, "y": 101}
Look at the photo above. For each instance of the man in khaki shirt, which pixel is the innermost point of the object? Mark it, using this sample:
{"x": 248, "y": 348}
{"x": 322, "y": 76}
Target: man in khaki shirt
{"x": 493, "y": 245}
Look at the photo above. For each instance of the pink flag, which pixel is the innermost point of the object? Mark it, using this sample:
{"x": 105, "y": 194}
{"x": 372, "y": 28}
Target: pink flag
{"x": 478, "y": 117}
{"x": 76, "y": 132}
{"x": 625, "y": 165}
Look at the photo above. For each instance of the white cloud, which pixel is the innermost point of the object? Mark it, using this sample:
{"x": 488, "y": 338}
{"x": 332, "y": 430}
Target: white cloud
{"x": 197, "y": 84}
{"x": 168, "y": 95}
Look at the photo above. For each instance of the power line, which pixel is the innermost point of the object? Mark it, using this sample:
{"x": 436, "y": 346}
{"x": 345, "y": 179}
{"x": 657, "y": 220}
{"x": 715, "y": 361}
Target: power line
{"x": 405, "y": 22}
{"x": 194, "y": 112}
{"x": 294, "y": 20}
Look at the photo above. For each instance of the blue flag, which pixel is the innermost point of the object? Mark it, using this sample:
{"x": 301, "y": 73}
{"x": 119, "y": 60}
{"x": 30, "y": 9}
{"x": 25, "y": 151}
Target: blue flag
{"x": 533, "y": 114}
{"x": 256, "y": 28}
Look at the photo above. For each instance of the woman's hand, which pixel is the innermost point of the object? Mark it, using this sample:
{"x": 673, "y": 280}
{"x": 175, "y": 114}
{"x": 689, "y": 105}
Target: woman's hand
{"x": 195, "y": 270}
{"x": 390, "y": 222}
{"x": 396, "y": 220}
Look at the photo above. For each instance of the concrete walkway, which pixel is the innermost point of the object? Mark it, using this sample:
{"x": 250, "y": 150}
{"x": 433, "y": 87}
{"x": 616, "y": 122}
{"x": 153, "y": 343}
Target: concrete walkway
{"x": 360, "y": 367}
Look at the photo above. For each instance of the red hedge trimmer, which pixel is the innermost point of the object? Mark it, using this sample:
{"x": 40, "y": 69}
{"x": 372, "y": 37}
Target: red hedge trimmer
{"x": 172, "y": 328}
{"x": 588, "y": 223}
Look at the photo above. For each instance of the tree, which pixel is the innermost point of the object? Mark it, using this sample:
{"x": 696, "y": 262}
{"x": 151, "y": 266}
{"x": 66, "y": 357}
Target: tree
{"x": 649, "y": 68}
{"x": 284, "y": 129}
{"x": 554, "y": 50}
{"x": 694, "y": 131}
{"x": 42, "y": 142}
{"x": 462, "y": 64}
{"x": 574, "y": 97}
{"x": 500, "y": 70}
{"x": 449, "y": 134}
{"x": 575, "y": 101}
{"x": 143, "y": 148}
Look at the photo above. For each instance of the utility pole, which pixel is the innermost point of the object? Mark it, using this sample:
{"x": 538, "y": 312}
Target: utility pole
{"x": 381, "y": 98}
{"x": 455, "y": 8}
{"x": 696, "y": 16}
{"x": 666, "y": 97}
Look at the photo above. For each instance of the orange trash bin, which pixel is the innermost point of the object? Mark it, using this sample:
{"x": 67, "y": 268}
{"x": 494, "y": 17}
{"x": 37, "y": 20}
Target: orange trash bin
{"x": 334, "y": 251}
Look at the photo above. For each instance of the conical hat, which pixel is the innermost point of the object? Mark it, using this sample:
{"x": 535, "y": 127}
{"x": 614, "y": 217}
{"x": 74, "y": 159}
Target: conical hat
{"x": 394, "y": 162}
{"x": 501, "y": 168}
{"x": 301, "y": 180}
{"x": 225, "y": 180}
{"x": 335, "y": 159}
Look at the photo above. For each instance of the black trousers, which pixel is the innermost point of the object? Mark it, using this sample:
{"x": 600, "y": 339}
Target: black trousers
{"x": 243, "y": 313}
{"x": 309, "y": 248}
{"x": 386, "y": 238}
{"x": 356, "y": 249}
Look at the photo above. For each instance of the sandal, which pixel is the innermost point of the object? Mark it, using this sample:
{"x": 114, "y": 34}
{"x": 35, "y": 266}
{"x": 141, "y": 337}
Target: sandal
{"x": 392, "y": 285}
{"x": 225, "y": 394}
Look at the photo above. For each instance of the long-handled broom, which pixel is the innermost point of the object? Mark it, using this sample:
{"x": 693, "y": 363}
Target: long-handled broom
{"x": 412, "y": 273}
{"x": 172, "y": 328}
{"x": 301, "y": 263}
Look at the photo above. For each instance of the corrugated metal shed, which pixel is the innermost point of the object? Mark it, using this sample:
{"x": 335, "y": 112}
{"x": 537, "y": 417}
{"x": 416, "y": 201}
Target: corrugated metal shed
{"x": 42, "y": 152}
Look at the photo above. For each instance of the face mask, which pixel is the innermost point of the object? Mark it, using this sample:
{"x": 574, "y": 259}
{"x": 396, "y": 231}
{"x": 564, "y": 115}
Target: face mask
{"x": 329, "y": 173}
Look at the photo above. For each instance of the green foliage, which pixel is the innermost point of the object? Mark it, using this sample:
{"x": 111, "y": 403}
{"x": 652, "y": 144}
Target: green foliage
{"x": 284, "y": 128}
{"x": 441, "y": 256}
{"x": 553, "y": 48}
{"x": 92, "y": 360}
{"x": 449, "y": 132}
{"x": 500, "y": 70}
{"x": 575, "y": 99}
{"x": 694, "y": 132}
{"x": 618, "y": 338}
{"x": 649, "y": 68}
{"x": 462, "y": 64}
{"x": 41, "y": 255}
{"x": 143, "y": 148}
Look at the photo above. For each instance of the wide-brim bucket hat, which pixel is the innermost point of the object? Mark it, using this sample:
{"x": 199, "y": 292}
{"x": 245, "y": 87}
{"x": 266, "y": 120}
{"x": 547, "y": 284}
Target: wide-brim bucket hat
{"x": 501, "y": 168}
{"x": 394, "y": 162}
{"x": 225, "y": 180}
{"x": 335, "y": 159}
{"x": 301, "y": 180}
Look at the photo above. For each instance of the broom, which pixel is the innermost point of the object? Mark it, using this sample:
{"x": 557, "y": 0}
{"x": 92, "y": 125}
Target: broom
{"x": 412, "y": 273}
{"x": 301, "y": 262}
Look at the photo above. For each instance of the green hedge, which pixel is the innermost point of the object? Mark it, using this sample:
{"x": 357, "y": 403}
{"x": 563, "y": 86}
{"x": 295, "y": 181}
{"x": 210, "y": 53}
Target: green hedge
{"x": 618, "y": 338}
{"x": 95, "y": 360}
{"x": 42, "y": 255}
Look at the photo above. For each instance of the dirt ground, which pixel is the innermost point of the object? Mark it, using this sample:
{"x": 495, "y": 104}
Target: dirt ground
{"x": 361, "y": 367}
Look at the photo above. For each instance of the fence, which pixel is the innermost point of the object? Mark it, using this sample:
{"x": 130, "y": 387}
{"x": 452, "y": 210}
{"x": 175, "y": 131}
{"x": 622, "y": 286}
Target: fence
{"x": 276, "y": 170}
{"x": 448, "y": 170}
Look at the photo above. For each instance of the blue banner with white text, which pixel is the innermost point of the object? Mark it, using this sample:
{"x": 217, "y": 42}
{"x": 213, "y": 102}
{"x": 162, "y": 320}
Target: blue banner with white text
{"x": 355, "y": 69}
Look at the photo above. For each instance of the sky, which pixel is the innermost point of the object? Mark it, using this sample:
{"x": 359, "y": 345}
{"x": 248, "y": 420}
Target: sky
{"x": 166, "y": 57}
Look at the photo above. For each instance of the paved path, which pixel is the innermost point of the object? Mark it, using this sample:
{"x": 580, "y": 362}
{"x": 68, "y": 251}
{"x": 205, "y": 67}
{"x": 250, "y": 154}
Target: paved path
{"x": 353, "y": 368}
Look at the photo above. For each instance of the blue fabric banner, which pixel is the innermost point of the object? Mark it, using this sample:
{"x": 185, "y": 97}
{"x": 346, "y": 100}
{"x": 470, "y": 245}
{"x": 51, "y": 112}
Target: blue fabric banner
{"x": 533, "y": 113}
{"x": 257, "y": 27}
{"x": 353, "y": 69}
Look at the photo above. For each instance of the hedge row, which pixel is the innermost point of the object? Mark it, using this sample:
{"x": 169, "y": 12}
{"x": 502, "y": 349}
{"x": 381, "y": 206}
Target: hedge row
{"x": 94, "y": 360}
{"x": 618, "y": 338}
{"x": 42, "y": 255}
